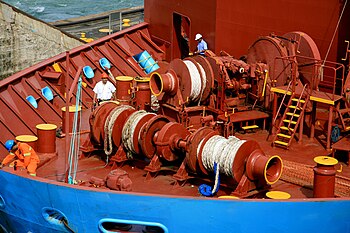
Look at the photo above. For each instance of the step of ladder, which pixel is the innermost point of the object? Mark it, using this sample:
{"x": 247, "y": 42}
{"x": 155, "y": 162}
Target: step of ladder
{"x": 300, "y": 100}
{"x": 286, "y": 128}
{"x": 291, "y": 114}
{"x": 281, "y": 143}
{"x": 292, "y": 106}
{"x": 283, "y": 135}
{"x": 250, "y": 127}
{"x": 287, "y": 121}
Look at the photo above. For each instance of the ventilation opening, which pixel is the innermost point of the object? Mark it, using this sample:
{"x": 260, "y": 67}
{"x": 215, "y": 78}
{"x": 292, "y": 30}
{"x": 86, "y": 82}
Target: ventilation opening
{"x": 32, "y": 101}
{"x": 118, "y": 225}
{"x": 57, "y": 218}
{"x": 47, "y": 93}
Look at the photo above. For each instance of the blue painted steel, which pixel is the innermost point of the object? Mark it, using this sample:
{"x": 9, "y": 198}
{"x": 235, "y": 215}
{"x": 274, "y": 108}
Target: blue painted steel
{"x": 47, "y": 93}
{"x": 84, "y": 208}
{"x": 9, "y": 144}
{"x": 32, "y": 101}
{"x": 104, "y": 63}
{"x": 88, "y": 72}
{"x": 2, "y": 202}
{"x": 146, "y": 62}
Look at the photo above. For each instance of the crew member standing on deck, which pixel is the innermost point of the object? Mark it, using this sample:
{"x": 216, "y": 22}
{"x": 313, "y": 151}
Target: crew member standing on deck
{"x": 104, "y": 90}
{"x": 201, "y": 46}
{"x": 21, "y": 155}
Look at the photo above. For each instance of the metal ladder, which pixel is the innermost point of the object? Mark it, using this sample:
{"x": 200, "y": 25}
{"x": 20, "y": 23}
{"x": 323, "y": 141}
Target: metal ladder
{"x": 291, "y": 119}
{"x": 344, "y": 120}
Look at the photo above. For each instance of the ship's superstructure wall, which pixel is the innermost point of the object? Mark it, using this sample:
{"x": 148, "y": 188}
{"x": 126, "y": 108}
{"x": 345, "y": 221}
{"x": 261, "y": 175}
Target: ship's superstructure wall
{"x": 232, "y": 25}
{"x": 25, "y": 41}
{"x": 243, "y": 22}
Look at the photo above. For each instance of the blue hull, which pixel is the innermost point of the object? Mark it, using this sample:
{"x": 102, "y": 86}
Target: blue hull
{"x": 24, "y": 200}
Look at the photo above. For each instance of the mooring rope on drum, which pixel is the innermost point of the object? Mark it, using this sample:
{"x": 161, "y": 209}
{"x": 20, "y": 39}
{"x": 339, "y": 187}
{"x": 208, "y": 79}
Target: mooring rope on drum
{"x": 129, "y": 128}
{"x": 224, "y": 157}
{"x": 195, "y": 80}
{"x": 108, "y": 127}
{"x": 204, "y": 82}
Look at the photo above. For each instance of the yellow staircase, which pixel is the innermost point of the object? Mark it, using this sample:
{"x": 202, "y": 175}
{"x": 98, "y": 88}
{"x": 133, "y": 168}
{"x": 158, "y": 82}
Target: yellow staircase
{"x": 290, "y": 120}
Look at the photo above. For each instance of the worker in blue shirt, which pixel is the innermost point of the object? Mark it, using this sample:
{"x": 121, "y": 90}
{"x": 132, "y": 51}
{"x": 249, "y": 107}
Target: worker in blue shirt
{"x": 201, "y": 46}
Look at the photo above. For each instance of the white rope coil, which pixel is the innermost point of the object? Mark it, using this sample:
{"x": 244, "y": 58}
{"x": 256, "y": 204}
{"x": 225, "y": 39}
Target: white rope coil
{"x": 196, "y": 83}
{"x": 129, "y": 128}
{"x": 154, "y": 103}
{"x": 212, "y": 150}
{"x": 229, "y": 154}
{"x": 204, "y": 81}
{"x": 108, "y": 127}
{"x": 216, "y": 179}
{"x": 199, "y": 146}
{"x": 221, "y": 151}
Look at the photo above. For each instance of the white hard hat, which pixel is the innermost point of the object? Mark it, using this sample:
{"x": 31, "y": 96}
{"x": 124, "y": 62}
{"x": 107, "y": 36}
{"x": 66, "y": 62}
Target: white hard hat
{"x": 198, "y": 36}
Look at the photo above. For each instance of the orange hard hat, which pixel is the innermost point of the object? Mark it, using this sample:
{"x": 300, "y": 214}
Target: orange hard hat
{"x": 104, "y": 75}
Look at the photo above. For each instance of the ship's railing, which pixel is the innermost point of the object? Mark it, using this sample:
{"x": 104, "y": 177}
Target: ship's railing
{"x": 324, "y": 75}
{"x": 19, "y": 116}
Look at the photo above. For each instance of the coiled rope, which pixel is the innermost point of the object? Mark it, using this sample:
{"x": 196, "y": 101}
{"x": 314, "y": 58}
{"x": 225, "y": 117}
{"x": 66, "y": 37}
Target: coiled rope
{"x": 218, "y": 155}
{"x": 154, "y": 103}
{"x": 129, "y": 128}
{"x": 221, "y": 151}
{"x": 196, "y": 83}
{"x": 108, "y": 127}
{"x": 204, "y": 82}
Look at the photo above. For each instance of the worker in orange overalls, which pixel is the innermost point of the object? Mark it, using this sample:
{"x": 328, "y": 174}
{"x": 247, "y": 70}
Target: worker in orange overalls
{"x": 25, "y": 154}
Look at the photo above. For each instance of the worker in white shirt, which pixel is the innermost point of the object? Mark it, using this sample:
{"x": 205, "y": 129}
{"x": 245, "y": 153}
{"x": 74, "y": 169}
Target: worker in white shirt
{"x": 201, "y": 46}
{"x": 104, "y": 90}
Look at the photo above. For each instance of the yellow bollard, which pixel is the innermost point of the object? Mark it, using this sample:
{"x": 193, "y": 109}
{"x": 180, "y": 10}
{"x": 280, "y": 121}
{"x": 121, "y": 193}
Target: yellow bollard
{"x": 83, "y": 37}
{"x": 126, "y": 22}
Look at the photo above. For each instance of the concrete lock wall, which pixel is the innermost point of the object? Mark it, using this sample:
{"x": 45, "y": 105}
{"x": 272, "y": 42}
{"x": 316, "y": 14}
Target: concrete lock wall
{"x": 25, "y": 41}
